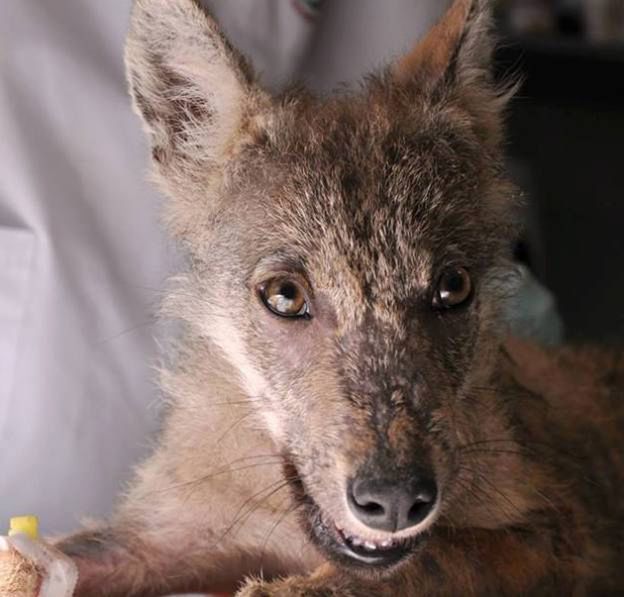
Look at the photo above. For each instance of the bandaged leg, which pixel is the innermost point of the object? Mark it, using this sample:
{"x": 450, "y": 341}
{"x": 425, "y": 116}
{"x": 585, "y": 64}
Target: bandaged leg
{"x": 30, "y": 568}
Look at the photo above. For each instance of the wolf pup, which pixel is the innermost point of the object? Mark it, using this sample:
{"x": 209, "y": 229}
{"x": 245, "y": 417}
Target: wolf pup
{"x": 345, "y": 417}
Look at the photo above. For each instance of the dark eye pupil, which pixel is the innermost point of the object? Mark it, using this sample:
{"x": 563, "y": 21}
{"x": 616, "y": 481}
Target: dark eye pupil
{"x": 454, "y": 283}
{"x": 288, "y": 291}
{"x": 454, "y": 288}
{"x": 284, "y": 297}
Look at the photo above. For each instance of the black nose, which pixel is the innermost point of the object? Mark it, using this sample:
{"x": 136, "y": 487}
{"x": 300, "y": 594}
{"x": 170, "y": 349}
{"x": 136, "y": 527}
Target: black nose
{"x": 392, "y": 505}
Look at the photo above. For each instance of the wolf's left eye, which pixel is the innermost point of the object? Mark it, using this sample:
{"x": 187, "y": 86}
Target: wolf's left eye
{"x": 284, "y": 297}
{"x": 454, "y": 288}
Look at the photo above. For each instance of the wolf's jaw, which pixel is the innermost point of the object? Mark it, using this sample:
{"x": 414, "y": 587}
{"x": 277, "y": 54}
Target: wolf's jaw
{"x": 366, "y": 544}
{"x": 352, "y": 550}
{"x": 341, "y": 545}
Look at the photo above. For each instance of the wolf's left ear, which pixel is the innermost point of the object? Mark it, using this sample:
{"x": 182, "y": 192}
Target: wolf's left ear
{"x": 456, "y": 55}
{"x": 193, "y": 91}
{"x": 460, "y": 46}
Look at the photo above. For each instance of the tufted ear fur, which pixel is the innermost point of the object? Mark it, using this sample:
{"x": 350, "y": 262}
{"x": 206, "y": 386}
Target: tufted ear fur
{"x": 455, "y": 60}
{"x": 459, "y": 46}
{"x": 194, "y": 92}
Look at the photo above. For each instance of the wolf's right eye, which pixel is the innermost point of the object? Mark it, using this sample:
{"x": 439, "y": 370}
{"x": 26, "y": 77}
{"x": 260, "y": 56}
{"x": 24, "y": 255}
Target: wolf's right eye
{"x": 285, "y": 298}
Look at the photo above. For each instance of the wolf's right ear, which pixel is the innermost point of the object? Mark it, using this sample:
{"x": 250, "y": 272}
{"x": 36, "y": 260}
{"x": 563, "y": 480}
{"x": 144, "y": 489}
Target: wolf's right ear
{"x": 194, "y": 92}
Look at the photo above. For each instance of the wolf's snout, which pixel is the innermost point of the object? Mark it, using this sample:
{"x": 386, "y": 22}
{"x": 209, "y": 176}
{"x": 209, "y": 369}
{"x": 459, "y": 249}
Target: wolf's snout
{"x": 392, "y": 505}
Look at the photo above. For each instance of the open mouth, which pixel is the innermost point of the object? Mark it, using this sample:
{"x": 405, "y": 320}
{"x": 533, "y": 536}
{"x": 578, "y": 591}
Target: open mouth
{"x": 351, "y": 549}
{"x": 339, "y": 544}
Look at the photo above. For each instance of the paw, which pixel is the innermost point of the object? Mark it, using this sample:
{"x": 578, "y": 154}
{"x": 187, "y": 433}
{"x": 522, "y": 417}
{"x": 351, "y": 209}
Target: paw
{"x": 285, "y": 588}
{"x": 256, "y": 588}
{"x": 295, "y": 587}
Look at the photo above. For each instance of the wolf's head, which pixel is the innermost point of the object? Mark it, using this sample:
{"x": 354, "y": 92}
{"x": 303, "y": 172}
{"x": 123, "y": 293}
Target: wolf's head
{"x": 348, "y": 255}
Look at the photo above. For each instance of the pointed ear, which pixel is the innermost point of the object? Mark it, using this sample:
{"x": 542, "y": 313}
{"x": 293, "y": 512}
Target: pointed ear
{"x": 455, "y": 61}
{"x": 190, "y": 87}
{"x": 458, "y": 48}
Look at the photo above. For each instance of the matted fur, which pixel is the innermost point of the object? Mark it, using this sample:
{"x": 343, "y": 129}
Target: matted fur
{"x": 364, "y": 198}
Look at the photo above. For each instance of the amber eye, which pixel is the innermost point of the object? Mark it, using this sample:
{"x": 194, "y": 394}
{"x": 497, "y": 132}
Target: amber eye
{"x": 454, "y": 288}
{"x": 285, "y": 298}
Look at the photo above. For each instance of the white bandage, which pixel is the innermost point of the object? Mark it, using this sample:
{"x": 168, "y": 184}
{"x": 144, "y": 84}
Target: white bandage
{"x": 59, "y": 573}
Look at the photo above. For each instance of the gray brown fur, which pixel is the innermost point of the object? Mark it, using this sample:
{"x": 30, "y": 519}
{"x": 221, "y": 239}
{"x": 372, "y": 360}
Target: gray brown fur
{"x": 365, "y": 197}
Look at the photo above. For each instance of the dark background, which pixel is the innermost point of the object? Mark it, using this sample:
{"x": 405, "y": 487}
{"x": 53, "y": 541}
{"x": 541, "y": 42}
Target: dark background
{"x": 566, "y": 144}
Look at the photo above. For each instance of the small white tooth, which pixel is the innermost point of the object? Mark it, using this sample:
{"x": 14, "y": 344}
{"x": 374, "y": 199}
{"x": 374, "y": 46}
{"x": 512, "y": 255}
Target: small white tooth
{"x": 356, "y": 541}
{"x": 370, "y": 546}
{"x": 387, "y": 543}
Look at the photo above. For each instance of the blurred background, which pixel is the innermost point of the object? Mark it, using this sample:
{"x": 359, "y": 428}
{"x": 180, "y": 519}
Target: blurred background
{"x": 566, "y": 144}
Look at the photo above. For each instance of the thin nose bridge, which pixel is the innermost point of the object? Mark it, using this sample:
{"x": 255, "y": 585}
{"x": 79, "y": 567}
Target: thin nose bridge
{"x": 382, "y": 379}
{"x": 403, "y": 439}
{"x": 396, "y": 438}
{"x": 401, "y": 450}
{"x": 389, "y": 317}
{"x": 382, "y": 337}
{"x": 396, "y": 424}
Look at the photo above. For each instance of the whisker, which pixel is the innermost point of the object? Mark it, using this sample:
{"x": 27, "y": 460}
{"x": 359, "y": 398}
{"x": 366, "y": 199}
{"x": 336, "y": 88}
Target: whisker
{"x": 237, "y": 402}
{"x": 494, "y": 451}
{"x": 478, "y": 493}
{"x": 274, "y": 461}
{"x": 126, "y": 331}
{"x": 292, "y": 508}
{"x": 493, "y": 487}
{"x": 233, "y": 426}
{"x": 242, "y": 516}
